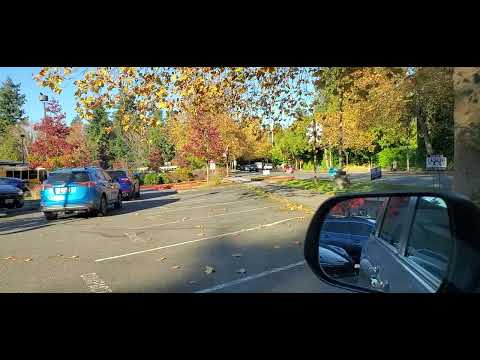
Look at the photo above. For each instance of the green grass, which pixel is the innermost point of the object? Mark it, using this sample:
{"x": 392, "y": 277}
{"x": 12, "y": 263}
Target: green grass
{"x": 328, "y": 187}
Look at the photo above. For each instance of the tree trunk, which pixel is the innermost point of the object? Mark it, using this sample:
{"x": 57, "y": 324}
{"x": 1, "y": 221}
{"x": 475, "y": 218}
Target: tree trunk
{"x": 341, "y": 132}
{"x": 227, "y": 168}
{"x": 466, "y": 180}
{"x": 408, "y": 161}
{"x": 346, "y": 157}
{"x": 314, "y": 164}
{"x": 207, "y": 172}
{"x": 422, "y": 125}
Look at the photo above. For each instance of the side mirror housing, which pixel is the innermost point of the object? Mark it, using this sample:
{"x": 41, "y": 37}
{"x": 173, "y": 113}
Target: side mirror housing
{"x": 396, "y": 242}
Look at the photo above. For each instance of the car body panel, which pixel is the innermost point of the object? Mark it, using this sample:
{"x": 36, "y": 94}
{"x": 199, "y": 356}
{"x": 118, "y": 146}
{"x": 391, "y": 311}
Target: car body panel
{"x": 129, "y": 183}
{"x": 10, "y": 196}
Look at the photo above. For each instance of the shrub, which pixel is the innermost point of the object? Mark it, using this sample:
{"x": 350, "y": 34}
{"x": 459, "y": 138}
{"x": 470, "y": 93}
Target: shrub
{"x": 151, "y": 179}
{"x": 179, "y": 175}
{"x": 388, "y": 155}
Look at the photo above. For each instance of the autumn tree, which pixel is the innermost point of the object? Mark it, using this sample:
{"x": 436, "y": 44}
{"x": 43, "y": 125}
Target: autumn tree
{"x": 205, "y": 139}
{"x": 80, "y": 155}
{"x": 50, "y": 148}
{"x": 99, "y": 137}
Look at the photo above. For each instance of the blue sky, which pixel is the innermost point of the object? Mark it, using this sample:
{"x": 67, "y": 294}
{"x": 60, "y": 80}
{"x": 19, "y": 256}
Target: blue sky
{"x": 33, "y": 107}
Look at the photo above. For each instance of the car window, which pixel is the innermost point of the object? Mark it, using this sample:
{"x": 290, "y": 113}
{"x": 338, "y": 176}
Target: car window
{"x": 337, "y": 226}
{"x": 430, "y": 240}
{"x": 116, "y": 174}
{"x": 75, "y": 176}
{"x": 359, "y": 229}
{"x": 395, "y": 218}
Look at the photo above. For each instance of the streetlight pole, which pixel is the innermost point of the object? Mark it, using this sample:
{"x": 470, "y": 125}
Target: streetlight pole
{"x": 44, "y": 98}
{"x": 22, "y": 136}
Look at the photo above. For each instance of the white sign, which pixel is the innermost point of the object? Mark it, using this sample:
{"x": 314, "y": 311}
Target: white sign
{"x": 212, "y": 165}
{"x": 266, "y": 172}
{"x": 436, "y": 162}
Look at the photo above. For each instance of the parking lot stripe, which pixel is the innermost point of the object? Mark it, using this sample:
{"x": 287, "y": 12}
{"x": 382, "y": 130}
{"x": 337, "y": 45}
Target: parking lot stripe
{"x": 95, "y": 284}
{"x": 201, "y": 239}
{"x": 249, "y": 278}
{"x": 202, "y": 217}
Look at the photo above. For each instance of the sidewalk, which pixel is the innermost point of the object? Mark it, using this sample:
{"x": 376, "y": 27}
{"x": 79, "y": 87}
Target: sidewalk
{"x": 308, "y": 199}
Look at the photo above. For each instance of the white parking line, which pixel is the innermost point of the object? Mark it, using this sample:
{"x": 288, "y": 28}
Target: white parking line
{"x": 201, "y": 218}
{"x": 201, "y": 239}
{"x": 250, "y": 278}
{"x": 95, "y": 284}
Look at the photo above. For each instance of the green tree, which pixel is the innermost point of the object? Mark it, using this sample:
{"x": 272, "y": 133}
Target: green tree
{"x": 99, "y": 137}
{"x": 10, "y": 144}
{"x": 11, "y": 103}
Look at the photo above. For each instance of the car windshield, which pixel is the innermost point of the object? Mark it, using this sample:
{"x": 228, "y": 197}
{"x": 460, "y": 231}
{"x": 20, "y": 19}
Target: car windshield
{"x": 117, "y": 174}
{"x": 206, "y": 178}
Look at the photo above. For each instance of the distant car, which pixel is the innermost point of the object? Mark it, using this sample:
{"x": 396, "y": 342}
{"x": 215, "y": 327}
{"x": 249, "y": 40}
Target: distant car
{"x": 10, "y": 197}
{"x": 348, "y": 233}
{"x": 129, "y": 183}
{"x": 87, "y": 190}
{"x": 19, "y": 183}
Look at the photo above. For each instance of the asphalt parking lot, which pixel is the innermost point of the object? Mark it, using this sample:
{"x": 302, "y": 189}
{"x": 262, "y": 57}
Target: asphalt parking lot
{"x": 220, "y": 239}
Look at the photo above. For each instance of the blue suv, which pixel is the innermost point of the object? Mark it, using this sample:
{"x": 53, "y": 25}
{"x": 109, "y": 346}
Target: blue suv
{"x": 87, "y": 190}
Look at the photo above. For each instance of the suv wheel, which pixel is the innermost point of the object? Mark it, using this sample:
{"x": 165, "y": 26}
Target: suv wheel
{"x": 118, "y": 203}
{"x": 103, "y": 207}
{"x": 50, "y": 215}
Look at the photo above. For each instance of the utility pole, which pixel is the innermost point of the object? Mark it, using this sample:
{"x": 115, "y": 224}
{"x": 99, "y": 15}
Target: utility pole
{"x": 22, "y": 136}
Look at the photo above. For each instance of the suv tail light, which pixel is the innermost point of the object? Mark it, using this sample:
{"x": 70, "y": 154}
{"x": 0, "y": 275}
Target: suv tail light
{"x": 124, "y": 180}
{"x": 87, "y": 184}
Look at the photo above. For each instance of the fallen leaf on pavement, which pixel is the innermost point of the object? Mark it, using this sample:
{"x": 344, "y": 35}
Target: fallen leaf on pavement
{"x": 185, "y": 219}
{"x": 135, "y": 214}
{"x": 74, "y": 257}
{"x": 237, "y": 255}
{"x": 28, "y": 259}
{"x": 162, "y": 259}
{"x": 241, "y": 271}
{"x": 209, "y": 269}
{"x": 10, "y": 258}
{"x": 175, "y": 267}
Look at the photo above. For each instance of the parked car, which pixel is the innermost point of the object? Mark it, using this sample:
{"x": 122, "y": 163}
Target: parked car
{"x": 336, "y": 261}
{"x": 348, "y": 233}
{"x": 19, "y": 183}
{"x": 10, "y": 197}
{"x": 129, "y": 183}
{"x": 87, "y": 190}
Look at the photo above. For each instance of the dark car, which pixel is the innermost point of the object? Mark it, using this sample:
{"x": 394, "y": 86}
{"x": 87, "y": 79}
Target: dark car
{"x": 10, "y": 197}
{"x": 349, "y": 233}
{"x": 19, "y": 183}
{"x": 336, "y": 261}
{"x": 129, "y": 183}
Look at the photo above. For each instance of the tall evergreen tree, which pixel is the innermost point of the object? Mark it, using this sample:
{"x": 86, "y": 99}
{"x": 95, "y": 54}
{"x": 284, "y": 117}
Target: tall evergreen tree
{"x": 99, "y": 137}
{"x": 11, "y": 103}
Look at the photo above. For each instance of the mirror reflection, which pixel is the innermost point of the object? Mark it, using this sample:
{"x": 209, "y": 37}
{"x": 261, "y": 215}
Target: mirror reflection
{"x": 391, "y": 244}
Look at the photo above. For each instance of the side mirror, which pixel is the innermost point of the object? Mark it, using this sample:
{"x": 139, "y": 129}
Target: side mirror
{"x": 396, "y": 242}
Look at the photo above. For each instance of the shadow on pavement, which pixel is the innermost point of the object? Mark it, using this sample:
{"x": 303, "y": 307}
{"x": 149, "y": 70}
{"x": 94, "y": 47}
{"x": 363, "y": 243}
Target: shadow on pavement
{"x": 19, "y": 225}
{"x": 152, "y": 195}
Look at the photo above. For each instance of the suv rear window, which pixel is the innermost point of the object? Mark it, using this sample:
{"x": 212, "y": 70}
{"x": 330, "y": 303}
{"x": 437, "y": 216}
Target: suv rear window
{"x": 116, "y": 174}
{"x": 74, "y": 176}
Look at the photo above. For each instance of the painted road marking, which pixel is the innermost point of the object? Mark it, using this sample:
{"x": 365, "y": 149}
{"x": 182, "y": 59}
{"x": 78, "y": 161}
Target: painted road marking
{"x": 173, "y": 208}
{"x": 202, "y": 239}
{"x": 95, "y": 284}
{"x": 200, "y": 218}
{"x": 250, "y": 278}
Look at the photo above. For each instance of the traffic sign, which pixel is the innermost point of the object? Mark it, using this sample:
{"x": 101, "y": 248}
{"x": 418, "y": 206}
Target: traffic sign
{"x": 436, "y": 162}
